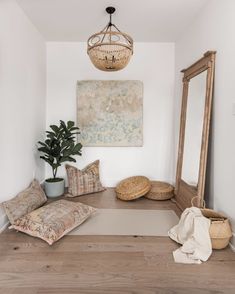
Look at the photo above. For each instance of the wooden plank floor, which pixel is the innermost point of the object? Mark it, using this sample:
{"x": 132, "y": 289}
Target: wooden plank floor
{"x": 108, "y": 264}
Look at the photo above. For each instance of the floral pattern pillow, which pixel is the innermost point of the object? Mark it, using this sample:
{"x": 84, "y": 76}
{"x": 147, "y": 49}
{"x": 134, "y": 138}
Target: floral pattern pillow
{"x": 83, "y": 181}
{"x": 25, "y": 202}
{"x": 51, "y": 222}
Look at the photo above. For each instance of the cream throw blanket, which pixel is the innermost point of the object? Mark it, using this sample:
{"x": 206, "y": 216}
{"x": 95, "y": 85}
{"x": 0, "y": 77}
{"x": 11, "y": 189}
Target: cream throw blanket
{"x": 192, "y": 232}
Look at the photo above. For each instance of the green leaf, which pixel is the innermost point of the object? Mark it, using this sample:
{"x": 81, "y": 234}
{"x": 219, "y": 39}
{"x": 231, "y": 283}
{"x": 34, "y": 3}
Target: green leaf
{"x": 65, "y": 144}
{"x": 55, "y": 152}
{"x": 55, "y": 128}
{"x": 71, "y": 159}
{"x": 67, "y": 152}
{"x": 51, "y": 158}
{"x": 54, "y": 142}
{"x": 44, "y": 149}
{"x": 64, "y": 159}
{"x": 74, "y": 129}
{"x": 63, "y": 125}
{"x": 41, "y": 143}
{"x": 68, "y": 136}
{"x": 50, "y": 135}
{"x": 70, "y": 124}
{"x": 55, "y": 165}
{"x": 77, "y": 147}
{"x": 47, "y": 160}
{"x": 47, "y": 141}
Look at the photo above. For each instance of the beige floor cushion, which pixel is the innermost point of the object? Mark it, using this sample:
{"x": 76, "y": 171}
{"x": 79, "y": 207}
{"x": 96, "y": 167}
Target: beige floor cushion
{"x": 133, "y": 188}
{"x": 25, "y": 202}
{"x": 51, "y": 222}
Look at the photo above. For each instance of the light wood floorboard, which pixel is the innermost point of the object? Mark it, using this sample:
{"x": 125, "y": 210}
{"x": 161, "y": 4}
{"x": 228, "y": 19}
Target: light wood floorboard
{"x": 108, "y": 264}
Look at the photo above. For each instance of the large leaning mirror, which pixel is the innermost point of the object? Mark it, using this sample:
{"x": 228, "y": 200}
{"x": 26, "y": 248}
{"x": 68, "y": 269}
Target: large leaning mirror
{"x": 194, "y": 131}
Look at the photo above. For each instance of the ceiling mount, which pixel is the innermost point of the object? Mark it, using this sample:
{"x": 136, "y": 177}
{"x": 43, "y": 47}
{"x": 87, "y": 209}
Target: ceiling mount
{"x": 110, "y": 10}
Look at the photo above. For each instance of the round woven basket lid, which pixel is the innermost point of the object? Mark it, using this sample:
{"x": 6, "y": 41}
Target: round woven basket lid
{"x": 160, "y": 191}
{"x": 133, "y": 188}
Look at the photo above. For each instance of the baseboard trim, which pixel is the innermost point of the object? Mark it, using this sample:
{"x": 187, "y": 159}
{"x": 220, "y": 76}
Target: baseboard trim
{"x": 4, "y": 226}
{"x": 4, "y": 222}
{"x": 232, "y": 247}
{"x": 231, "y": 244}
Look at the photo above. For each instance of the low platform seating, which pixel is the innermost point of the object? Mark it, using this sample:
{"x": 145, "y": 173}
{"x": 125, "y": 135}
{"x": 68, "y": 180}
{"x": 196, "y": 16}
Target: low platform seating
{"x": 133, "y": 188}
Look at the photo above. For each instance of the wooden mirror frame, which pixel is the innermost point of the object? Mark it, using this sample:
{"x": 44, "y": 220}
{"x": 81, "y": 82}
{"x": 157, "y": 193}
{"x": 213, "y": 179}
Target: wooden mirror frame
{"x": 183, "y": 191}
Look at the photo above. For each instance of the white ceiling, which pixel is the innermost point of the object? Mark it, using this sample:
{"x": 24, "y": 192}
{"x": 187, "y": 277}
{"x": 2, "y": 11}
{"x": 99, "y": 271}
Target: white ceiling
{"x": 145, "y": 21}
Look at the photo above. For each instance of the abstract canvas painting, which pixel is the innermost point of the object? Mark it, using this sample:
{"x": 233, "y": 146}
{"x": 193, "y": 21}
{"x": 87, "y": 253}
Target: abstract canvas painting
{"x": 110, "y": 113}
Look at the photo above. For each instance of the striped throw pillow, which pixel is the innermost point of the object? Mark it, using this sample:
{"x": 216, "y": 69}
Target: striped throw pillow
{"x": 83, "y": 181}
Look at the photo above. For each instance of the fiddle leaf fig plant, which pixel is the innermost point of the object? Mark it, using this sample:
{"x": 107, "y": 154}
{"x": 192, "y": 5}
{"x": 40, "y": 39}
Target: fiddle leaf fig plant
{"x": 59, "y": 146}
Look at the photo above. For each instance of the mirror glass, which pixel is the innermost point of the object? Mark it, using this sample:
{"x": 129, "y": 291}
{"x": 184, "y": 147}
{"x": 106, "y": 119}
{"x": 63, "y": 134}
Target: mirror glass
{"x": 193, "y": 129}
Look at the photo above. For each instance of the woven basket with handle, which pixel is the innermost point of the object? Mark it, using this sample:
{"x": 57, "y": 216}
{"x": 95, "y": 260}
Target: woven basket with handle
{"x": 220, "y": 229}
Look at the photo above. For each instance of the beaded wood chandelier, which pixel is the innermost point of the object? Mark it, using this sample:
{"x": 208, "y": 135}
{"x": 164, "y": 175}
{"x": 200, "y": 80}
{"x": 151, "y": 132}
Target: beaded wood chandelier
{"x": 110, "y": 49}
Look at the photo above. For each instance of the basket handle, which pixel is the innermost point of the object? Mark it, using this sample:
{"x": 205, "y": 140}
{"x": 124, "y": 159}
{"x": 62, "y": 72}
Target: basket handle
{"x": 203, "y": 202}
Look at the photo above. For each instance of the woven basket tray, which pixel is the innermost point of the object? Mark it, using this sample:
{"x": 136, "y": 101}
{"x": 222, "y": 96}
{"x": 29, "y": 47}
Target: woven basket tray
{"x": 160, "y": 191}
{"x": 220, "y": 229}
{"x": 133, "y": 188}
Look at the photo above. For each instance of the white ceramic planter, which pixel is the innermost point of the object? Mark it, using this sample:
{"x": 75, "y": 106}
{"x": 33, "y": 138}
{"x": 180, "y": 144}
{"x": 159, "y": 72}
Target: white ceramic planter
{"x": 54, "y": 189}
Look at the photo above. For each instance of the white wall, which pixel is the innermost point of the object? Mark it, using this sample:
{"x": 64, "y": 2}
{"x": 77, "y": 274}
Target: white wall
{"x": 22, "y": 96}
{"x": 152, "y": 63}
{"x": 214, "y": 30}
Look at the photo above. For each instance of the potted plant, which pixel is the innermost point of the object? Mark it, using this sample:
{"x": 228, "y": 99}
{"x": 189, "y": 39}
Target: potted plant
{"x": 59, "y": 147}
